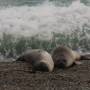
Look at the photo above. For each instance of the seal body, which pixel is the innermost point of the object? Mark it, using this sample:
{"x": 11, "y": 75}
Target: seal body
{"x": 40, "y": 60}
{"x": 64, "y": 56}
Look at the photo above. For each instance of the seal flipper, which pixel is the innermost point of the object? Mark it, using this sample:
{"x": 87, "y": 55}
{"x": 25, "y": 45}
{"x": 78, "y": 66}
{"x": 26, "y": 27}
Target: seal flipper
{"x": 85, "y": 56}
{"x": 78, "y": 62}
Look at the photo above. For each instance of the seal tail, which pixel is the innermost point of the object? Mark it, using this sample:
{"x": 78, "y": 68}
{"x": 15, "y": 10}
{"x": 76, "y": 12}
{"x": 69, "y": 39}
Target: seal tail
{"x": 21, "y": 58}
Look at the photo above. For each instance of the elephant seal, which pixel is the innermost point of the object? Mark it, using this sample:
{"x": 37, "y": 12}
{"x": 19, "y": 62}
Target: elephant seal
{"x": 64, "y": 57}
{"x": 39, "y": 59}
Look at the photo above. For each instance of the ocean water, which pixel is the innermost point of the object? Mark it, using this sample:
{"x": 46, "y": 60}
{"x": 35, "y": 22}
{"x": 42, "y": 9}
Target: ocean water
{"x": 31, "y": 17}
{"x": 26, "y": 18}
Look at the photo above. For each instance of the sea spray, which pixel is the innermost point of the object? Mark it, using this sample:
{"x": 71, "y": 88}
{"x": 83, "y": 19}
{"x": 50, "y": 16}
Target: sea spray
{"x": 52, "y": 24}
{"x": 29, "y": 21}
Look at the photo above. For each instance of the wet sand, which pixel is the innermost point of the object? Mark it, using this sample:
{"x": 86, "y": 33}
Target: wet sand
{"x": 18, "y": 76}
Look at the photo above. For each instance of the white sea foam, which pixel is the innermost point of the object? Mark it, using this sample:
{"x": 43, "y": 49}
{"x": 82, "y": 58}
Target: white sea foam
{"x": 43, "y": 19}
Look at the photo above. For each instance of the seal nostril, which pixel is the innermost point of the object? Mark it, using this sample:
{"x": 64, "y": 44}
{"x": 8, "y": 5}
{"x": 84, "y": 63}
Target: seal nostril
{"x": 61, "y": 63}
{"x": 63, "y": 60}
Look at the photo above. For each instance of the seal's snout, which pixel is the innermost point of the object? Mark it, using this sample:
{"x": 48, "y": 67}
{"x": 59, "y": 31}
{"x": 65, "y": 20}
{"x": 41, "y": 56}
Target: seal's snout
{"x": 61, "y": 63}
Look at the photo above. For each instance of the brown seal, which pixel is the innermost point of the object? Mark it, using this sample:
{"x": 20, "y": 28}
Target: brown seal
{"x": 40, "y": 60}
{"x": 65, "y": 57}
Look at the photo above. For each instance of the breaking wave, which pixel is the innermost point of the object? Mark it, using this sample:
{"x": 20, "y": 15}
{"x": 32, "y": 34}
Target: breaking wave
{"x": 44, "y": 19}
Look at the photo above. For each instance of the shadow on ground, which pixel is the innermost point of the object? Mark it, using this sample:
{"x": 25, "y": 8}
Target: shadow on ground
{"x": 18, "y": 76}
